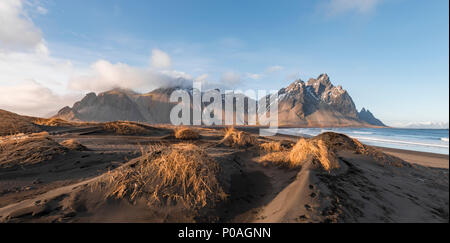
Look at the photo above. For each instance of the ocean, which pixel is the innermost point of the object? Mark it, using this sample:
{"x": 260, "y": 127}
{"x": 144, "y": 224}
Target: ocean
{"x": 424, "y": 140}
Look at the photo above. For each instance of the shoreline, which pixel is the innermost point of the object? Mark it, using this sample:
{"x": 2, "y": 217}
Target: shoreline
{"x": 428, "y": 159}
{"x": 417, "y": 157}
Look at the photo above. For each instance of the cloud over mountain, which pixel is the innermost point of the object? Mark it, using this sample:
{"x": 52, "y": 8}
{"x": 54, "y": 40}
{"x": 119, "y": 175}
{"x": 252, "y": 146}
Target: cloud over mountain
{"x": 104, "y": 75}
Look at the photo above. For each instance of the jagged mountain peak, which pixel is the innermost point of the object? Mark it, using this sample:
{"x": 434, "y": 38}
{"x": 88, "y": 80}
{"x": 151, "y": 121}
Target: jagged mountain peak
{"x": 367, "y": 116}
{"x": 323, "y": 80}
{"x": 324, "y": 77}
{"x": 364, "y": 110}
{"x": 320, "y": 88}
{"x": 296, "y": 86}
{"x": 319, "y": 102}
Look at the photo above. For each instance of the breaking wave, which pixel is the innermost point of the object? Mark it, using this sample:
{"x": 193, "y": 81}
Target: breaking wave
{"x": 401, "y": 142}
{"x": 358, "y": 132}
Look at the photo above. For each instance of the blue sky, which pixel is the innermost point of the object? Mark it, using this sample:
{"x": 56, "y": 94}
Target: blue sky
{"x": 392, "y": 56}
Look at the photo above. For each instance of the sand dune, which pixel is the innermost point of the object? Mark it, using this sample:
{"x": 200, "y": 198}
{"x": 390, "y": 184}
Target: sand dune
{"x": 123, "y": 175}
{"x": 11, "y": 123}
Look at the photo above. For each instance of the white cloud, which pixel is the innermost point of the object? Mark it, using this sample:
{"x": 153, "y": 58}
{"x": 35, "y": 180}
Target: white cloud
{"x": 336, "y": 7}
{"x": 104, "y": 75}
{"x": 41, "y": 10}
{"x": 268, "y": 70}
{"x": 23, "y": 93}
{"x": 202, "y": 78}
{"x": 173, "y": 74}
{"x": 208, "y": 83}
{"x": 230, "y": 78}
{"x": 16, "y": 67}
{"x": 42, "y": 49}
{"x": 26, "y": 64}
{"x": 273, "y": 69}
{"x": 254, "y": 76}
{"x": 17, "y": 30}
{"x": 160, "y": 59}
{"x": 32, "y": 98}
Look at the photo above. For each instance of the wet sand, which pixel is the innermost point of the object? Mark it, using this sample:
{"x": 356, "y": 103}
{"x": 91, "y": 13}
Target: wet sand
{"x": 420, "y": 158}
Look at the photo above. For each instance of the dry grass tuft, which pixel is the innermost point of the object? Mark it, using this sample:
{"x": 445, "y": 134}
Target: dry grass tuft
{"x": 168, "y": 175}
{"x": 52, "y": 122}
{"x": 310, "y": 151}
{"x": 185, "y": 133}
{"x": 304, "y": 151}
{"x": 28, "y": 150}
{"x": 272, "y": 147}
{"x": 235, "y": 138}
{"x": 73, "y": 144}
{"x": 126, "y": 128}
{"x": 278, "y": 158}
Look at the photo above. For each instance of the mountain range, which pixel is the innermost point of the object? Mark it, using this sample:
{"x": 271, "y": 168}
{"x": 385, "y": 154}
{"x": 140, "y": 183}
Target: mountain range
{"x": 315, "y": 103}
{"x": 423, "y": 125}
